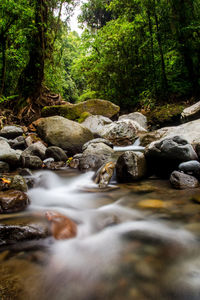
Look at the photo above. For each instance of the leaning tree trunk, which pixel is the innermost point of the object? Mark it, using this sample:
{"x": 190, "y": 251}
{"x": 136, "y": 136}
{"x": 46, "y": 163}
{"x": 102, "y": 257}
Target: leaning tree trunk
{"x": 30, "y": 81}
{"x": 3, "y": 70}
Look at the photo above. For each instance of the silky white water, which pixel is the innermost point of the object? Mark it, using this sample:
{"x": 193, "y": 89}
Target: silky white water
{"x": 105, "y": 231}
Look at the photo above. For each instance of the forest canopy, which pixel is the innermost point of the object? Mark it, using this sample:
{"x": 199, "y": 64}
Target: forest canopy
{"x": 131, "y": 52}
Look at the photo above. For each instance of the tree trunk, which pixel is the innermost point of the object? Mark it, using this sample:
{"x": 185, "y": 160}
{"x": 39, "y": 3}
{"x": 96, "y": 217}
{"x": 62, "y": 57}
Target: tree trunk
{"x": 3, "y": 70}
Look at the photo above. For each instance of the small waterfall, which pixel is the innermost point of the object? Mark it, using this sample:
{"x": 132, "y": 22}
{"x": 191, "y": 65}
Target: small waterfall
{"x": 135, "y": 147}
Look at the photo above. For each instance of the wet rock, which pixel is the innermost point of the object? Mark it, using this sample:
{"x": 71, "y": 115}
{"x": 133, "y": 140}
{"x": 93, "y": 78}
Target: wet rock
{"x": 164, "y": 156}
{"x": 183, "y": 181}
{"x": 11, "y": 234}
{"x": 96, "y": 141}
{"x": 151, "y": 203}
{"x": 25, "y": 172}
{"x": 4, "y": 167}
{"x": 32, "y": 162}
{"x": 131, "y": 166}
{"x": 191, "y": 167}
{"x": 149, "y": 137}
{"x": 63, "y": 133}
{"x": 96, "y": 124}
{"x": 18, "y": 183}
{"x": 94, "y": 156}
{"x": 36, "y": 149}
{"x": 61, "y": 226}
{"x": 136, "y": 116}
{"x": 47, "y": 162}
{"x": 13, "y": 201}
{"x": 56, "y": 165}
{"x": 104, "y": 174}
{"x": 57, "y": 153}
{"x": 123, "y": 132}
{"x": 11, "y": 132}
{"x": 90, "y": 162}
{"x": 7, "y": 154}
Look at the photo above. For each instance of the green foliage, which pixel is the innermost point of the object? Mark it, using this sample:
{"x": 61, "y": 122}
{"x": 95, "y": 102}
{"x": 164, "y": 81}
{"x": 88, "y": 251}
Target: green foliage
{"x": 87, "y": 95}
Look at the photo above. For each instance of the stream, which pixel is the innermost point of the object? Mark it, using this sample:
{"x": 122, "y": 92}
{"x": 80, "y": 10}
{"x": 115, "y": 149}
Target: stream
{"x": 135, "y": 241}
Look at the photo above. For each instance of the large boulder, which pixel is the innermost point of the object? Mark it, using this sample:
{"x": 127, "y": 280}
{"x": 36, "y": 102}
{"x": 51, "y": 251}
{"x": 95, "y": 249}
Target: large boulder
{"x": 74, "y": 111}
{"x": 96, "y": 124}
{"x": 191, "y": 113}
{"x": 189, "y": 131}
{"x": 11, "y": 132}
{"x": 181, "y": 181}
{"x": 131, "y": 166}
{"x": 123, "y": 132}
{"x": 136, "y": 116}
{"x": 13, "y": 201}
{"x": 7, "y": 154}
{"x": 63, "y": 133}
{"x": 165, "y": 155}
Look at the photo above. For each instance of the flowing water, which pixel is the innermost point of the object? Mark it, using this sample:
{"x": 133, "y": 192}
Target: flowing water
{"x": 124, "y": 249}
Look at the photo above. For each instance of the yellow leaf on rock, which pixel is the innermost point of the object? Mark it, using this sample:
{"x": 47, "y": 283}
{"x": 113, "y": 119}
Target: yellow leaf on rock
{"x": 5, "y": 180}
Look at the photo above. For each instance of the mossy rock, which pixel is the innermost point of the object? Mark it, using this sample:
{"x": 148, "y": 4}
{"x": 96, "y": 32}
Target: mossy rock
{"x": 74, "y": 111}
{"x": 84, "y": 116}
{"x": 165, "y": 115}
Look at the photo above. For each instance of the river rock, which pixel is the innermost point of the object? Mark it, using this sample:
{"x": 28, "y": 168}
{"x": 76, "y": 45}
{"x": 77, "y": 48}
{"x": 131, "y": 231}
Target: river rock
{"x": 164, "y": 156}
{"x": 32, "y": 162}
{"x": 96, "y": 124}
{"x": 56, "y": 153}
{"x": 73, "y": 111}
{"x": 136, "y": 116}
{"x": 11, "y": 132}
{"x": 189, "y": 131}
{"x": 94, "y": 156}
{"x": 4, "y": 167}
{"x": 11, "y": 234}
{"x": 131, "y": 166}
{"x": 7, "y": 154}
{"x": 191, "y": 113}
{"x": 180, "y": 180}
{"x": 13, "y": 201}
{"x": 36, "y": 149}
{"x": 18, "y": 183}
{"x": 63, "y": 133}
{"x": 191, "y": 167}
{"x": 96, "y": 141}
{"x": 61, "y": 227}
{"x": 17, "y": 143}
{"x": 104, "y": 174}
{"x": 123, "y": 132}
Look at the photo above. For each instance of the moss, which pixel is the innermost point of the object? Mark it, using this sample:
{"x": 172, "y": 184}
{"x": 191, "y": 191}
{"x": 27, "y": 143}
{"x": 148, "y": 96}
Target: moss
{"x": 165, "y": 115}
{"x": 73, "y": 112}
{"x": 84, "y": 116}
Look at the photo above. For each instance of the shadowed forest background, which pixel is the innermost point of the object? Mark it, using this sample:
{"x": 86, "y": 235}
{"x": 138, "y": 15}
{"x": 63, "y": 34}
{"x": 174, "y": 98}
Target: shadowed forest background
{"x": 133, "y": 53}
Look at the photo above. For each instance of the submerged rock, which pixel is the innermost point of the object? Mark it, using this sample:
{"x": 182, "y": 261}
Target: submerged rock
{"x": 61, "y": 226}
{"x": 183, "y": 181}
{"x": 63, "y": 133}
{"x": 152, "y": 203}
{"x": 131, "y": 166}
{"x": 13, "y": 201}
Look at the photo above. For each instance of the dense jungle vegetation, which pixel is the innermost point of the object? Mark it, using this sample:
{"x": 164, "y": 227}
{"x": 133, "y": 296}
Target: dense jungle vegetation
{"x": 131, "y": 52}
